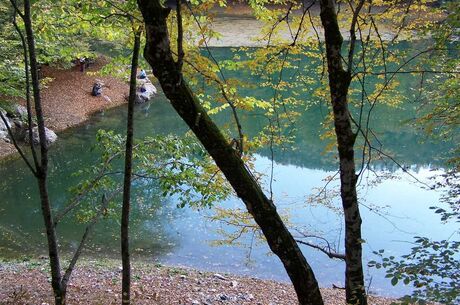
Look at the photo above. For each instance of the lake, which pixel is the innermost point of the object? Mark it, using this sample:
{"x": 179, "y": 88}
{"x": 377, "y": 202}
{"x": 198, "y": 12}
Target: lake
{"x": 393, "y": 210}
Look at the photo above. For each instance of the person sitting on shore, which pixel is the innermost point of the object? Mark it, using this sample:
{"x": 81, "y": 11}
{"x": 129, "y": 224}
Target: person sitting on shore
{"x": 97, "y": 89}
{"x": 142, "y": 74}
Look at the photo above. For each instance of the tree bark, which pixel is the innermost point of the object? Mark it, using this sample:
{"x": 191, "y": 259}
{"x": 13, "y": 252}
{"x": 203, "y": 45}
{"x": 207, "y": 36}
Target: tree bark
{"x": 42, "y": 170}
{"x": 165, "y": 68}
{"x": 125, "y": 253}
{"x": 339, "y": 83}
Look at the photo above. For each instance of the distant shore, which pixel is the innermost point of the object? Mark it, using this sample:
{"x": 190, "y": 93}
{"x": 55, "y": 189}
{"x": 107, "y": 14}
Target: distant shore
{"x": 67, "y": 101}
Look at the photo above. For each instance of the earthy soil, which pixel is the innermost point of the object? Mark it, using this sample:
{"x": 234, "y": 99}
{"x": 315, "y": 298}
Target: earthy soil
{"x": 67, "y": 100}
{"x": 6, "y": 149}
{"x": 96, "y": 283}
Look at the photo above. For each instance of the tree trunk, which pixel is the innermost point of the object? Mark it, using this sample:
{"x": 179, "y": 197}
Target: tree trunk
{"x": 281, "y": 242}
{"x": 125, "y": 253}
{"x": 339, "y": 82}
{"x": 56, "y": 276}
{"x": 42, "y": 170}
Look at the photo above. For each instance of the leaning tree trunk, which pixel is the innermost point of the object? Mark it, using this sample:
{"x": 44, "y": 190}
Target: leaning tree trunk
{"x": 125, "y": 253}
{"x": 42, "y": 170}
{"x": 339, "y": 83}
{"x": 167, "y": 70}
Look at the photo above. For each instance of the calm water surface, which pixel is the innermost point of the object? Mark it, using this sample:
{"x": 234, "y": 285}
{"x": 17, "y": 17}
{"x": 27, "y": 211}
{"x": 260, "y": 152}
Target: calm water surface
{"x": 164, "y": 233}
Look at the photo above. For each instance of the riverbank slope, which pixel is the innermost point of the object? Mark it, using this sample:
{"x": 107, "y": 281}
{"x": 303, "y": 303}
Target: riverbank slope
{"x": 99, "y": 282}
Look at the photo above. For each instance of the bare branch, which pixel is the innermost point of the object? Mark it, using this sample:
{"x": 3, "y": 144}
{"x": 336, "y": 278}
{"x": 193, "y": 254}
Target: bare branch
{"x": 125, "y": 13}
{"x": 322, "y": 249}
{"x": 28, "y": 101}
{"x": 21, "y": 153}
{"x": 180, "y": 34}
{"x": 353, "y": 33}
{"x": 16, "y": 8}
{"x": 89, "y": 227}
{"x": 327, "y": 249}
{"x": 222, "y": 87}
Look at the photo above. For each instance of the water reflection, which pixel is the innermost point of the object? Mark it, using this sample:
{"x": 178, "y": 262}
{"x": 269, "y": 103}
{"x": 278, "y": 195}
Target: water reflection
{"x": 183, "y": 236}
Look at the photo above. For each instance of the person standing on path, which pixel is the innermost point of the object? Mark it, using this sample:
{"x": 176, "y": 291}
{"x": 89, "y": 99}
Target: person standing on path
{"x": 82, "y": 64}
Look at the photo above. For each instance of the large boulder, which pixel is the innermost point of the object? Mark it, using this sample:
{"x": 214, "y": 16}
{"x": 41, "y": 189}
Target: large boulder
{"x": 145, "y": 91}
{"x": 20, "y": 112}
{"x": 20, "y": 129}
{"x": 51, "y": 137}
{"x": 4, "y": 136}
{"x": 3, "y": 126}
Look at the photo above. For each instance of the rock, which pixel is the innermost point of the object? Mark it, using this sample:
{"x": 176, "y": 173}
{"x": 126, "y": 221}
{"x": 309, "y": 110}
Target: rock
{"x": 4, "y": 135}
{"x": 143, "y": 81}
{"x": 234, "y": 283}
{"x": 207, "y": 302}
{"x": 219, "y": 276}
{"x": 246, "y": 296}
{"x": 223, "y": 297}
{"x": 50, "y": 136}
{"x": 145, "y": 91}
{"x": 195, "y": 302}
{"x": 106, "y": 98}
{"x": 19, "y": 130}
{"x": 3, "y": 112}
{"x": 20, "y": 112}
{"x": 3, "y": 126}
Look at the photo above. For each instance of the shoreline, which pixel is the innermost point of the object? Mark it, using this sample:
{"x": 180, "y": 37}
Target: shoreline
{"x": 74, "y": 105}
{"x": 67, "y": 101}
{"x": 100, "y": 281}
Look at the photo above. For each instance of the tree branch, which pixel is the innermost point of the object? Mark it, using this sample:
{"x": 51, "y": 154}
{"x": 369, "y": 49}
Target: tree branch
{"x": 28, "y": 102}
{"x": 353, "y": 33}
{"x": 73, "y": 261}
{"x": 325, "y": 250}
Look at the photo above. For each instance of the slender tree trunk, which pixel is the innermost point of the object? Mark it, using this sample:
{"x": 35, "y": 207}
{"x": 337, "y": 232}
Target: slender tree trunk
{"x": 339, "y": 82}
{"x": 125, "y": 253}
{"x": 53, "y": 252}
{"x": 42, "y": 170}
{"x": 167, "y": 70}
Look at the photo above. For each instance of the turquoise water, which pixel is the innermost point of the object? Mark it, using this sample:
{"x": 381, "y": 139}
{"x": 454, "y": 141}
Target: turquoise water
{"x": 164, "y": 233}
